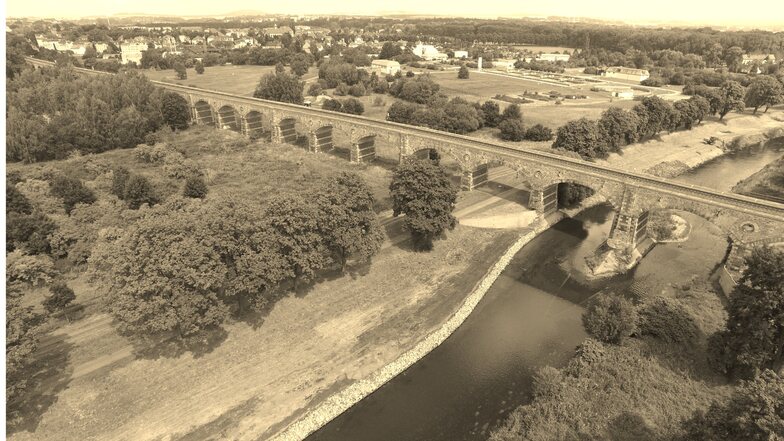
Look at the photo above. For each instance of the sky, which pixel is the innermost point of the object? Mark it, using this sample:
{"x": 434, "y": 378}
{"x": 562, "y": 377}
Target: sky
{"x": 718, "y": 12}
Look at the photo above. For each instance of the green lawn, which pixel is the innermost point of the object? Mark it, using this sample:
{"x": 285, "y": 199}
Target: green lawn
{"x": 240, "y": 80}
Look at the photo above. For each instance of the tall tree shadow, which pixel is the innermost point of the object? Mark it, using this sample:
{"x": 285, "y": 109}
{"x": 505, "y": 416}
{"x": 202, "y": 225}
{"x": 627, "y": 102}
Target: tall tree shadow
{"x": 47, "y": 376}
{"x": 173, "y": 346}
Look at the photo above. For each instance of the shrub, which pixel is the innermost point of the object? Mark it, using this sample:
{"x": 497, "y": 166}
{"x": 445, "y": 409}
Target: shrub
{"x": 652, "y": 82}
{"x": 333, "y": 105}
{"x": 353, "y": 106}
{"x": 314, "y": 89}
{"x": 342, "y": 89}
{"x": 29, "y": 231}
{"x": 138, "y": 191}
{"x": 410, "y": 74}
{"x": 381, "y": 87}
{"x": 72, "y": 191}
{"x": 378, "y": 101}
{"x": 512, "y": 130}
{"x": 34, "y": 270}
{"x": 357, "y": 90}
{"x": 150, "y": 154}
{"x": 15, "y": 201}
{"x": 610, "y": 318}
{"x": 667, "y": 320}
{"x": 150, "y": 139}
{"x": 175, "y": 165}
{"x": 538, "y": 132}
{"x": 195, "y": 187}
{"x": 462, "y": 74}
{"x": 120, "y": 177}
{"x": 61, "y": 296}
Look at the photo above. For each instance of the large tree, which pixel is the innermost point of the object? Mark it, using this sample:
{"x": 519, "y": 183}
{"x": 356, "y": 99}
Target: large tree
{"x": 463, "y": 73}
{"x": 581, "y": 136}
{"x": 297, "y": 226}
{"x": 350, "y": 225}
{"x": 280, "y": 86}
{"x": 423, "y": 192}
{"x": 618, "y": 127}
{"x": 389, "y": 50}
{"x": 163, "y": 277}
{"x": 764, "y": 90}
{"x": 732, "y": 95}
{"x": 21, "y": 341}
{"x": 176, "y": 111}
{"x": 653, "y": 113}
{"x": 754, "y": 337}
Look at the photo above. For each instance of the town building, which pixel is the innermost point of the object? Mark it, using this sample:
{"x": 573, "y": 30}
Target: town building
{"x": 552, "y": 57}
{"x": 429, "y": 52}
{"x": 626, "y": 94}
{"x": 759, "y": 58}
{"x": 101, "y": 47}
{"x": 627, "y": 73}
{"x": 132, "y": 52}
{"x": 506, "y": 64}
{"x": 386, "y": 67}
{"x": 461, "y": 54}
{"x": 277, "y": 32}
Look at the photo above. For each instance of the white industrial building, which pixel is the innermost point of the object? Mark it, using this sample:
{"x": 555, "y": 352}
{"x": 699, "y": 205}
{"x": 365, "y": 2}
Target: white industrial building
{"x": 627, "y": 73}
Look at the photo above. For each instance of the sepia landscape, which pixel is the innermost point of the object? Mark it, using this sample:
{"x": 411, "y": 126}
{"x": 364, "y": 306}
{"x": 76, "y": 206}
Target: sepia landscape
{"x": 386, "y": 222}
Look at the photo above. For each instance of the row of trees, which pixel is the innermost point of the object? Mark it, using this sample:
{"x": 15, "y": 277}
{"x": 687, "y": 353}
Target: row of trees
{"x": 182, "y": 266}
{"x": 617, "y": 127}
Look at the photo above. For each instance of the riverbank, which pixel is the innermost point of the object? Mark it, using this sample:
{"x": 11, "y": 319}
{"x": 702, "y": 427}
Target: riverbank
{"x": 643, "y": 388}
{"x": 672, "y": 154}
{"x": 766, "y": 183}
{"x": 343, "y": 400}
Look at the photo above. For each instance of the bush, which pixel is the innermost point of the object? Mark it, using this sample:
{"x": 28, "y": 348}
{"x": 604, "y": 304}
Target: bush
{"x": 410, "y": 74}
{"x": 176, "y": 110}
{"x": 462, "y": 74}
{"x": 378, "y": 101}
{"x": 381, "y": 87}
{"x": 512, "y": 130}
{"x": 120, "y": 177}
{"x": 72, "y": 191}
{"x": 138, "y": 191}
{"x": 150, "y": 154}
{"x": 353, "y": 106}
{"x": 538, "y": 132}
{"x": 315, "y": 89}
{"x": 652, "y": 82}
{"x": 357, "y": 90}
{"x": 333, "y": 105}
{"x": 28, "y": 231}
{"x": 175, "y": 165}
{"x": 195, "y": 187}
{"x": 33, "y": 270}
{"x": 667, "y": 320}
{"x": 610, "y": 318}
{"x": 61, "y": 296}
{"x": 150, "y": 139}
{"x": 342, "y": 89}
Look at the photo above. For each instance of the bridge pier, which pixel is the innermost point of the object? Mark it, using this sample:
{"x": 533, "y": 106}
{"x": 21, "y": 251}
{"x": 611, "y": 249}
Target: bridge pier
{"x": 629, "y": 226}
{"x": 544, "y": 199}
{"x": 473, "y": 177}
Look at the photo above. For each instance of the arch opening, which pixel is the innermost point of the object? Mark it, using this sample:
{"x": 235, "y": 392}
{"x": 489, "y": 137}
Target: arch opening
{"x": 254, "y": 125}
{"x": 321, "y": 139}
{"x": 364, "y": 149}
{"x": 287, "y": 130}
{"x": 229, "y": 119}
{"x": 204, "y": 113}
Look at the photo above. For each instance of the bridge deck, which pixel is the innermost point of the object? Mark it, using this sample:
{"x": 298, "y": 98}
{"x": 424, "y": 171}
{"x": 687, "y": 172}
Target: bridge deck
{"x": 759, "y": 207}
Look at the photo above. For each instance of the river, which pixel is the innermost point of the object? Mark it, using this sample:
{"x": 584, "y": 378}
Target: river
{"x": 724, "y": 172}
{"x": 530, "y": 317}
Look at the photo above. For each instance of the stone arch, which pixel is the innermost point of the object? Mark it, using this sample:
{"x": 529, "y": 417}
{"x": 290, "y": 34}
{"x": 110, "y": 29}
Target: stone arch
{"x": 229, "y": 118}
{"x": 204, "y": 113}
{"x": 254, "y": 123}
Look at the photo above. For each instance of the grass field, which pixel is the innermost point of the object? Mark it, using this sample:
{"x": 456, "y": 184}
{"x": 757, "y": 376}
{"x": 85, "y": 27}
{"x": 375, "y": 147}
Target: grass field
{"x": 250, "y": 380}
{"x": 240, "y": 80}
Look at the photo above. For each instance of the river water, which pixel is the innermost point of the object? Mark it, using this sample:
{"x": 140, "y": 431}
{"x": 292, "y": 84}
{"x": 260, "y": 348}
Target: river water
{"x": 530, "y": 317}
{"x": 725, "y": 171}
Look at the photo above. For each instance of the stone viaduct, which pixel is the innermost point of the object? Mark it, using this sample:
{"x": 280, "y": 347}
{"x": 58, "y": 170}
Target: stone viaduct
{"x": 747, "y": 221}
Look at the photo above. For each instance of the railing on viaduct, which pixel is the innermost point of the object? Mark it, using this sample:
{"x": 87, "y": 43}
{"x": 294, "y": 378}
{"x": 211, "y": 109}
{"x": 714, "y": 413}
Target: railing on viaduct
{"x": 631, "y": 193}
